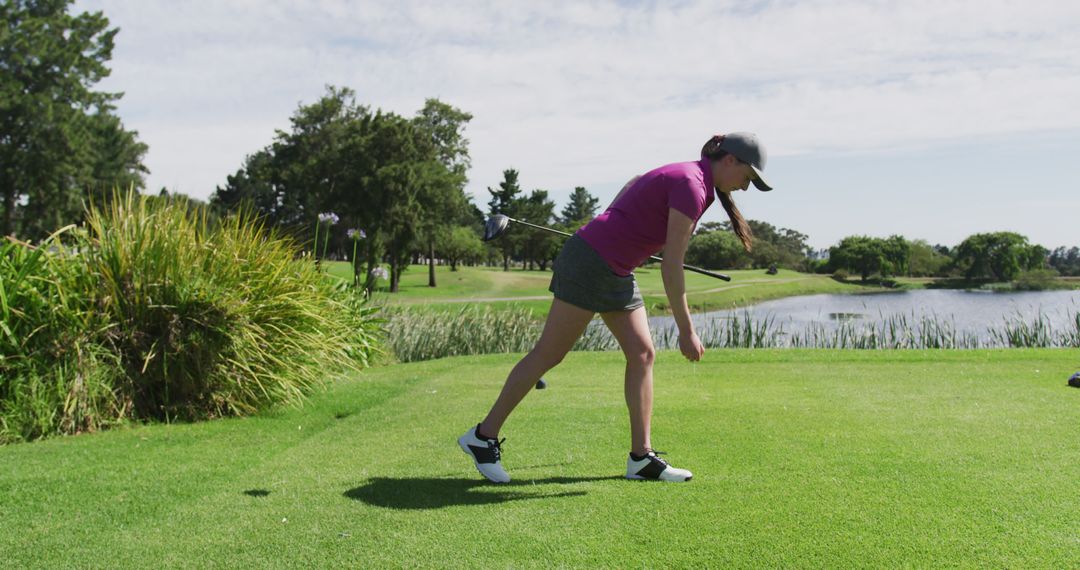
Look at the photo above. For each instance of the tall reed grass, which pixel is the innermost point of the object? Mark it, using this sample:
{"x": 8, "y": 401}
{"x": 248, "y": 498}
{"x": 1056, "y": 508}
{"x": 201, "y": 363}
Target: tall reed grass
{"x": 414, "y": 335}
{"x": 150, "y": 313}
{"x": 418, "y": 335}
{"x": 54, "y": 377}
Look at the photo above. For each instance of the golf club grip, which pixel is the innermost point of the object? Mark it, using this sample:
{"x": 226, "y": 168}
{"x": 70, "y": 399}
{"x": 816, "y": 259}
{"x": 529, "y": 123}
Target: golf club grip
{"x": 696, "y": 269}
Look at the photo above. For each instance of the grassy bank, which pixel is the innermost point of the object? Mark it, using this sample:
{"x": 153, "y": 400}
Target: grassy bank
{"x": 801, "y": 458}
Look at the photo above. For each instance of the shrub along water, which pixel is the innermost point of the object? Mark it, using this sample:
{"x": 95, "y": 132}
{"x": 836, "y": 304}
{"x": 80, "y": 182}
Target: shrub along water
{"x": 151, "y": 313}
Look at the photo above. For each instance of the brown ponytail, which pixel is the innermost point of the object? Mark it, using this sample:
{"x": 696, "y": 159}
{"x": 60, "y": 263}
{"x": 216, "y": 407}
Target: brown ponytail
{"x": 738, "y": 224}
{"x": 712, "y": 151}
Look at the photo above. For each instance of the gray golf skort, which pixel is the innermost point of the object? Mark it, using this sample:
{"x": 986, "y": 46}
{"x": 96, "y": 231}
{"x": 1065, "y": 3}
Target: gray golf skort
{"x": 582, "y": 278}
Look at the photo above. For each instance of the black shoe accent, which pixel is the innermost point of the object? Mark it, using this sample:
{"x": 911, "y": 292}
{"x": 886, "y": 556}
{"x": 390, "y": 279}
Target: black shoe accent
{"x": 491, "y": 453}
{"x": 648, "y": 450}
{"x": 653, "y": 468}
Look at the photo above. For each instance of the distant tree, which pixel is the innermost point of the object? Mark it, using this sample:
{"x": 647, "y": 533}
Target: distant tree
{"x": 1066, "y": 261}
{"x": 999, "y": 255}
{"x": 716, "y": 249}
{"x": 460, "y": 244}
{"x": 472, "y": 215}
{"x": 580, "y": 208}
{"x": 443, "y": 125}
{"x": 706, "y": 227}
{"x": 780, "y": 246}
{"x": 257, "y": 185}
{"x": 897, "y": 253}
{"x": 116, "y": 156}
{"x": 538, "y": 246}
{"x": 925, "y": 260}
{"x": 414, "y": 188}
{"x": 505, "y": 200}
{"x": 862, "y": 254}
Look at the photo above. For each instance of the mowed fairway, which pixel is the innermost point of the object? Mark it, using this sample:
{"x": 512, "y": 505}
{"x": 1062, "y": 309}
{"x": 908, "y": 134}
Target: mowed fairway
{"x": 801, "y": 458}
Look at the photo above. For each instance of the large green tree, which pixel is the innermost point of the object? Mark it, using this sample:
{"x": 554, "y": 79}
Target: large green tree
{"x": 400, "y": 180}
{"x": 897, "y": 253}
{"x": 716, "y": 249}
{"x": 998, "y": 255}
{"x": 59, "y": 138}
{"x": 862, "y": 254}
{"x": 442, "y": 126}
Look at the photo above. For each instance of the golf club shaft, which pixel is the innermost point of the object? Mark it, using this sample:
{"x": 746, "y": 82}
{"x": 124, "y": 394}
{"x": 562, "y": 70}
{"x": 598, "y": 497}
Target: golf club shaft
{"x": 652, "y": 257}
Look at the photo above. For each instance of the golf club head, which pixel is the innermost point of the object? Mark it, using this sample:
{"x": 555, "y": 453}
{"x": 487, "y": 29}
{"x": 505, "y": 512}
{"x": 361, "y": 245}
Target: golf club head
{"x": 496, "y": 225}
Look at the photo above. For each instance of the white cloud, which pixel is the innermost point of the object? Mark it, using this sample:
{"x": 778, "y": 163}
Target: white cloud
{"x": 588, "y": 93}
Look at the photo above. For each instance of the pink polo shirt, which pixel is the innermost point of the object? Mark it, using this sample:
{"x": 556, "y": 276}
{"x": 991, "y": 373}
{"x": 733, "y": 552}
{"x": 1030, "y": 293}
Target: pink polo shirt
{"x": 635, "y": 226}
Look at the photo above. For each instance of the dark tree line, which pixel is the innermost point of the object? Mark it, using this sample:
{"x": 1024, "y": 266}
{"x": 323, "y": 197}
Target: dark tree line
{"x": 1066, "y": 261}
{"x": 997, "y": 256}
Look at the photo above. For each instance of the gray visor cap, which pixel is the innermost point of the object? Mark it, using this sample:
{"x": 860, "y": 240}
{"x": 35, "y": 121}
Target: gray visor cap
{"x": 747, "y": 148}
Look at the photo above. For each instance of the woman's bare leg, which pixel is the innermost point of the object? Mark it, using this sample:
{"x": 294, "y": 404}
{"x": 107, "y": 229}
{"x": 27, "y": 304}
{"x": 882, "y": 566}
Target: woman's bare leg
{"x": 565, "y": 323}
{"x": 631, "y": 329}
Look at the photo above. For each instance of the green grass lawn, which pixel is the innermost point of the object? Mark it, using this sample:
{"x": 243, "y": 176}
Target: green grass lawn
{"x": 801, "y": 459}
{"x": 502, "y": 289}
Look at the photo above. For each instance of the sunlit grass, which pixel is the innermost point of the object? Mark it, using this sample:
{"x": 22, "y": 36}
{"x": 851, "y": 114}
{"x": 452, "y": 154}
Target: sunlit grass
{"x": 801, "y": 458}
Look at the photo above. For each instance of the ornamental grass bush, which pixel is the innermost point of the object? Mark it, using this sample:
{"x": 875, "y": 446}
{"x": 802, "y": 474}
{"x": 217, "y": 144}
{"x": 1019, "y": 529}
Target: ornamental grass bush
{"x": 151, "y": 313}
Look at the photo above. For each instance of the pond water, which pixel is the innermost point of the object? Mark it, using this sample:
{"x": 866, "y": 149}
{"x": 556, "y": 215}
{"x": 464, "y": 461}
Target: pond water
{"x": 966, "y": 312}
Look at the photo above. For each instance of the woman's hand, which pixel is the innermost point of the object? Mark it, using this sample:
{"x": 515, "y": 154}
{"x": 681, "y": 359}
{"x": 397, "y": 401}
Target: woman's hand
{"x": 690, "y": 345}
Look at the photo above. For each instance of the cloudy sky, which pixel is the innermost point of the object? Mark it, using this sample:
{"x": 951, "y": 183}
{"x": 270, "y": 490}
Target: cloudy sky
{"x": 932, "y": 119}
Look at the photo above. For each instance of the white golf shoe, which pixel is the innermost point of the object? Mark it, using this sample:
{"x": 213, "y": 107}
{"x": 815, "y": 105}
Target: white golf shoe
{"x": 485, "y": 454}
{"x": 652, "y": 467}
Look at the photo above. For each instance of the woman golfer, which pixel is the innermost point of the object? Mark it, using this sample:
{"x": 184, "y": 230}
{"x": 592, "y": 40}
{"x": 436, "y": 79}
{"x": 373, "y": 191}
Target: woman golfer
{"x": 594, "y": 274}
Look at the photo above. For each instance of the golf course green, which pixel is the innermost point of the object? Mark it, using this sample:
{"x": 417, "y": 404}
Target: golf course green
{"x": 801, "y": 458}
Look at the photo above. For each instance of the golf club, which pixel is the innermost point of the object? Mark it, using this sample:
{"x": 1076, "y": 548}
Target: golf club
{"x": 496, "y": 226}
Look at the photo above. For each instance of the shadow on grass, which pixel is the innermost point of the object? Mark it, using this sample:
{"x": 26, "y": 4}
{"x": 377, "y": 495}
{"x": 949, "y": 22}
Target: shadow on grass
{"x": 430, "y": 493}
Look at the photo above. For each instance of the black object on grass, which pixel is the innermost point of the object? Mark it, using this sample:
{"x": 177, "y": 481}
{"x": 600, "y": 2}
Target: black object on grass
{"x": 541, "y": 384}
{"x": 1074, "y": 381}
